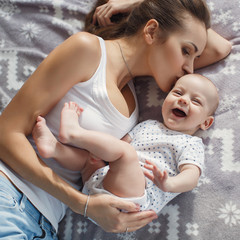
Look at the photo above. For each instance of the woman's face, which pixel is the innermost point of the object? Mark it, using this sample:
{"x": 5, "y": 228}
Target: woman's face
{"x": 175, "y": 57}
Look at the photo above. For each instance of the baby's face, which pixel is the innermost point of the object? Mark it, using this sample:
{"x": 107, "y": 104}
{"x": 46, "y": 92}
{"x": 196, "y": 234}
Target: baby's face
{"x": 189, "y": 104}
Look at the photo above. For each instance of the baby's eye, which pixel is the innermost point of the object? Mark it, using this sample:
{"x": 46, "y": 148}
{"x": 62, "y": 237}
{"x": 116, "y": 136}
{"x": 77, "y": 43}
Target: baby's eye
{"x": 197, "y": 101}
{"x": 177, "y": 92}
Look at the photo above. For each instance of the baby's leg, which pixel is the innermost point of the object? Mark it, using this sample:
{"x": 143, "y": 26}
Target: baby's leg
{"x": 103, "y": 146}
{"x": 48, "y": 147}
{"x": 125, "y": 177}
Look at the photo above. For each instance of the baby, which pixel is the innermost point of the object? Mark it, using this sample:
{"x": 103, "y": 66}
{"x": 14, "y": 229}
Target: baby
{"x": 162, "y": 159}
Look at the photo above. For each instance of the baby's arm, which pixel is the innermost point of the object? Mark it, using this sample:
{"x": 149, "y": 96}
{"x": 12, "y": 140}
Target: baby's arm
{"x": 185, "y": 181}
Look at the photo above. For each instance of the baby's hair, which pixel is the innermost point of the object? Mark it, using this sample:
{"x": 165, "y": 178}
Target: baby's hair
{"x": 216, "y": 97}
{"x": 216, "y": 103}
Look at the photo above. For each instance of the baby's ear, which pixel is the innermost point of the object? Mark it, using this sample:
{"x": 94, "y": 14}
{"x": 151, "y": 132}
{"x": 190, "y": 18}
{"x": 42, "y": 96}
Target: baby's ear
{"x": 207, "y": 123}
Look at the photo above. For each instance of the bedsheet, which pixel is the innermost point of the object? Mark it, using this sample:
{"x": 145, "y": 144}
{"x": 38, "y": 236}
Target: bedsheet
{"x": 30, "y": 29}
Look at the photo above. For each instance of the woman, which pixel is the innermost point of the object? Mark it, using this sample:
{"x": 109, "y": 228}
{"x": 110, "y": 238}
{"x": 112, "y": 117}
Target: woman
{"x": 102, "y": 21}
{"x": 96, "y": 74}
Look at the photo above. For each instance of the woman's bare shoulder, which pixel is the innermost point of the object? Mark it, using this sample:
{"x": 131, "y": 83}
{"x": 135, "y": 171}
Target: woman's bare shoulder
{"x": 86, "y": 42}
{"x": 85, "y": 51}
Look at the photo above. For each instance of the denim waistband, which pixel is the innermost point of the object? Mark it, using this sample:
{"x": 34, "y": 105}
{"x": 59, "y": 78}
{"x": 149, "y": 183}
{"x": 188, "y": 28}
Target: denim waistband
{"x": 25, "y": 204}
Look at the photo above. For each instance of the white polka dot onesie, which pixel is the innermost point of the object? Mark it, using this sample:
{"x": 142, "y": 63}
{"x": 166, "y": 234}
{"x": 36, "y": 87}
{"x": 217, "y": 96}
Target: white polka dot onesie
{"x": 167, "y": 149}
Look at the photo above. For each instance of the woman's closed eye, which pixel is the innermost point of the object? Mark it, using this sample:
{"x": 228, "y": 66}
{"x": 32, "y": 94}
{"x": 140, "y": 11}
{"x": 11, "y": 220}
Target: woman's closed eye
{"x": 186, "y": 51}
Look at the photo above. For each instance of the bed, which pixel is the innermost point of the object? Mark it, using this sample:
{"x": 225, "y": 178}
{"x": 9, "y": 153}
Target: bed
{"x": 30, "y": 29}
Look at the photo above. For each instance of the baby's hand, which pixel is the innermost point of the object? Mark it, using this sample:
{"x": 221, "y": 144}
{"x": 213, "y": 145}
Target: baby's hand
{"x": 158, "y": 177}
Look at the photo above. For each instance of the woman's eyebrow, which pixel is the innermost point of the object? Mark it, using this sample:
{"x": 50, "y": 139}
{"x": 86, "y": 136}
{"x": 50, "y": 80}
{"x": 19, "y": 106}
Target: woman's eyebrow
{"x": 195, "y": 47}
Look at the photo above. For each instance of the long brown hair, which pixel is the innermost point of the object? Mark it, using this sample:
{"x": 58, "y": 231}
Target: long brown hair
{"x": 169, "y": 14}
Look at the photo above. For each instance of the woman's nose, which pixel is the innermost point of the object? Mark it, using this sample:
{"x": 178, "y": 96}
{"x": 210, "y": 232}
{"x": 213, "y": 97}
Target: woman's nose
{"x": 188, "y": 67}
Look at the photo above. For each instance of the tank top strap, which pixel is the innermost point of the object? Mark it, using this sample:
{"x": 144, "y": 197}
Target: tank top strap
{"x": 100, "y": 95}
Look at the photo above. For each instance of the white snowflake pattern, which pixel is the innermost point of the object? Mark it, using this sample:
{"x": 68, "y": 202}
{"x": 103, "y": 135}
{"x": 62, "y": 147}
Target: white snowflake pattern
{"x": 229, "y": 70}
{"x": 8, "y": 9}
{"x": 44, "y": 9}
{"x": 154, "y": 227}
{"x": 73, "y": 9}
{"x": 4, "y": 100}
{"x": 227, "y": 103}
{"x": 30, "y": 31}
{"x": 87, "y": 5}
{"x": 192, "y": 229}
{"x": 68, "y": 226}
{"x": 230, "y": 213}
{"x": 127, "y": 236}
{"x": 211, "y": 5}
{"x": 28, "y": 70}
{"x": 209, "y": 149}
{"x": 202, "y": 180}
{"x": 82, "y": 227}
{"x": 234, "y": 57}
{"x": 222, "y": 17}
{"x": 2, "y": 43}
{"x": 236, "y": 26}
{"x": 153, "y": 95}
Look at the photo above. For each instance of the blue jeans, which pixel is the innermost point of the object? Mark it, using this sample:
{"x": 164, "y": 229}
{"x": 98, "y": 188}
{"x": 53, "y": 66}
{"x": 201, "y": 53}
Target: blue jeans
{"x": 19, "y": 219}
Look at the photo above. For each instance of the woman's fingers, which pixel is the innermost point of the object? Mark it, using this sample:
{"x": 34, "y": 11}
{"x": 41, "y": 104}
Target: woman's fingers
{"x": 125, "y": 206}
{"x": 132, "y": 218}
{"x": 102, "y": 15}
{"x": 135, "y": 221}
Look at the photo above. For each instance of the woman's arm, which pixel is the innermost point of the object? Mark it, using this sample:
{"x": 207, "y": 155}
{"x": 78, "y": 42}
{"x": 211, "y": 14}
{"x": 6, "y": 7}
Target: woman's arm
{"x": 216, "y": 49}
{"x": 48, "y": 84}
{"x": 104, "y": 12}
{"x": 73, "y": 61}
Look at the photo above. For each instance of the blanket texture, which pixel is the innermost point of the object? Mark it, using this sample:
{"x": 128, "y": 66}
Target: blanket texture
{"x": 30, "y": 29}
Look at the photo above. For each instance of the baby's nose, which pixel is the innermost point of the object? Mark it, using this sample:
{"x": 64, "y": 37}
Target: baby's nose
{"x": 183, "y": 100}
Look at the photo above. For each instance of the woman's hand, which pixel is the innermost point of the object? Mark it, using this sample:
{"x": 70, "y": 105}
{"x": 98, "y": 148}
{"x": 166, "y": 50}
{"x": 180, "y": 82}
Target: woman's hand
{"x": 104, "y": 12}
{"x": 104, "y": 210}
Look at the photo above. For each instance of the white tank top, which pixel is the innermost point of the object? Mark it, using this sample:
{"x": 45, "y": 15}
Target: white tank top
{"x": 99, "y": 114}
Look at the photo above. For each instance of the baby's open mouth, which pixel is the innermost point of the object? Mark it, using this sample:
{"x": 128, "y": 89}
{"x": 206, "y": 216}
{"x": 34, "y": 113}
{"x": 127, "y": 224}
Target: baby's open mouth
{"x": 179, "y": 113}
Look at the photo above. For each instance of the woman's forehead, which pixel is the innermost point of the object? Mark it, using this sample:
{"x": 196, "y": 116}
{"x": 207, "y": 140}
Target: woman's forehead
{"x": 195, "y": 32}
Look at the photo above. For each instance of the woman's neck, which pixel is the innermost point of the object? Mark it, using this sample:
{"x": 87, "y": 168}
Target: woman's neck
{"x": 130, "y": 59}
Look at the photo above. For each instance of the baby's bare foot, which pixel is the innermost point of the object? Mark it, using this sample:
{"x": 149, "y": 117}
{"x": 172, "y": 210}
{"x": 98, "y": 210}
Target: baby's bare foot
{"x": 69, "y": 122}
{"x": 44, "y": 139}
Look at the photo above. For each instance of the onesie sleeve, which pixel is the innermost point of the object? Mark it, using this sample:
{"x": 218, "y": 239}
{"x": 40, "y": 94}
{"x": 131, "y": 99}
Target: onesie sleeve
{"x": 193, "y": 153}
{"x": 136, "y": 129}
